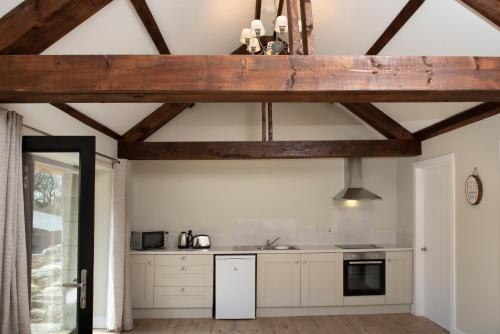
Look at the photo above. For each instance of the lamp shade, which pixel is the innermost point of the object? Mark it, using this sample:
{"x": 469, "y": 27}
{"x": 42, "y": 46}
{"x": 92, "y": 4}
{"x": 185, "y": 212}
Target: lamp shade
{"x": 257, "y": 28}
{"x": 246, "y": 35}
{"x": 254, "y": 46}
{"x": 281, "y": 24}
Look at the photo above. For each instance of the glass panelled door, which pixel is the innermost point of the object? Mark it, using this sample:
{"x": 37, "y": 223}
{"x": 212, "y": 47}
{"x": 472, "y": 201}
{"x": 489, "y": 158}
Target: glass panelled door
{"x": 59, "y": 194}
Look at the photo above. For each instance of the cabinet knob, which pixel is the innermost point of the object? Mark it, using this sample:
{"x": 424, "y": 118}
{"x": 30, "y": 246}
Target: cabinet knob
{"x": 184, "y": 268}
{"x": 305, "y": 261}
{"x": 182, "y": 290}
{"x": 423, "y": 249}
{"x": 297, "y": 261}
{"x": 184, "y": 257}
{"x": 388, "y": 260}
{"x": 150, "y": 262}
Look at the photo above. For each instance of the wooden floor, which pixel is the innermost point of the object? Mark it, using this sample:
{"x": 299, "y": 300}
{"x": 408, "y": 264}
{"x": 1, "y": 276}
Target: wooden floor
{"x": 345, "y": 324}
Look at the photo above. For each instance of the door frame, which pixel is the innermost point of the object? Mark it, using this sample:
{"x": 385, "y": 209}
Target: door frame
{"x": 85, "y": 146}
{"x": 418, "y": 308}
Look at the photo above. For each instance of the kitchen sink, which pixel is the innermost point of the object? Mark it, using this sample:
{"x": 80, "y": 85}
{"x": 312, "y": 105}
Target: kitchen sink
{"x": 280, "y": 247}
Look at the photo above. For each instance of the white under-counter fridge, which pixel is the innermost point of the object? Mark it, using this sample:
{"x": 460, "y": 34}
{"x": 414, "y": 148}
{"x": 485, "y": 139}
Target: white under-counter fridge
{"x": 235, "y": 286}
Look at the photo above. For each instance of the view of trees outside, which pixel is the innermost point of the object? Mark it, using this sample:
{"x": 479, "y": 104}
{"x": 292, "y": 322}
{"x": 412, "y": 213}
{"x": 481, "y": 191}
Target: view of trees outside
{"x": 55, "y": 226}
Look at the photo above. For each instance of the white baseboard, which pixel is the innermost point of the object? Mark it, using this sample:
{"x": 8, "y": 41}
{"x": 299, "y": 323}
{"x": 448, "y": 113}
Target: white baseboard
{"x": 159, "y": 313}
{"x": 457, "y": 331}
{"x": 99, "y": 322}
{"x": 334, "y": 310}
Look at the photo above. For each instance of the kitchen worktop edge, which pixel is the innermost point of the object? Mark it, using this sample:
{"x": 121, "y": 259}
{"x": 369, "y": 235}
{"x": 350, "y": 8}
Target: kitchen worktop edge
{"x": 231, "y": 250}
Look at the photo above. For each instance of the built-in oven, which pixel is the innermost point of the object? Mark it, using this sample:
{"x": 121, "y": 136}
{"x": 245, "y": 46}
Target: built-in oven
{"x": 364, "y": 274}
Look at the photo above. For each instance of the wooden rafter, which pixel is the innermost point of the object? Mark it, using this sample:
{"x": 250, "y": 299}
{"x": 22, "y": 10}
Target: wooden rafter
{"x": 307, "y": 27}
{"x": 34, "y": 25}
{"x": 281, "y": 4}
{"x": 142, "y": 9}
{"x": 293, "y": 27}
{"x": 187, "y": 79}
{"x": 86, "y": 120}
{"x": 464, "y": 118}
{"x": 267, "y": 149}
{"x": 490, "y": 9}
{"x": 378, "y": 120}
{"x": 404, "y": 15}
{"x": 154, "y": 121}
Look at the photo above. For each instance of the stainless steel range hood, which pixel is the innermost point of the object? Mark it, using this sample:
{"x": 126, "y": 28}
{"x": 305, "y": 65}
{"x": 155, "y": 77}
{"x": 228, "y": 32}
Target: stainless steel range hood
{"x": 353, "y": 175}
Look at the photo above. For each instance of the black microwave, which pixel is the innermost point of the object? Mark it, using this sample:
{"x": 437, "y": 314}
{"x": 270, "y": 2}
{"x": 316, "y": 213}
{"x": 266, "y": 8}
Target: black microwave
{"x": 148, "y": 240}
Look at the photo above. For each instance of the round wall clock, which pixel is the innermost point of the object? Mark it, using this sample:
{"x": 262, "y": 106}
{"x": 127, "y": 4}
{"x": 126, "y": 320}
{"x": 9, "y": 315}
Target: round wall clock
{"x": 473, "y": 188}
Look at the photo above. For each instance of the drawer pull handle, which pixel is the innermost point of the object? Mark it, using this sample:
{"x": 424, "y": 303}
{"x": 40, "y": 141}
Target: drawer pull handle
{"x": 183, "y": 290}
{"x": 184, "y": 257}
{"x": 184, "y": 268}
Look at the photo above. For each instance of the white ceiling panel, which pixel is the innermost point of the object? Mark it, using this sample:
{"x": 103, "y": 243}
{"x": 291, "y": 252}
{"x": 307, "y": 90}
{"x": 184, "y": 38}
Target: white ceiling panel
{"x": 445, "y": 27}
{"x": 7, "y": 5}
{"x": 119, "y": 117}
{"x": 350, "y": 27}
{"x": 115, "y": 29}
{"x": 202, "y": 26}
{"x": 416, "y": 116}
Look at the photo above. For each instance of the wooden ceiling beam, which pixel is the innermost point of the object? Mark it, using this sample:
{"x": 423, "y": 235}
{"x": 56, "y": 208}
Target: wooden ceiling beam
{"x": 404, "y": 15}
{"x": 267, "y": 149}
{"x": 154, "y": 121}
{"x": 188, "y": 79}
{"x": 142, "y": 9}
{"x": 457, "y": 121}
{"x": 490, "y": 9}
{"x": 34, "y": 25}
{"x": 378, "y": 120}
{"x": 67, "y": 109}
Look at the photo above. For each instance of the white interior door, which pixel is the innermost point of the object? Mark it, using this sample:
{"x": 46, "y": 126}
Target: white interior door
{"x": 434, "y": 188}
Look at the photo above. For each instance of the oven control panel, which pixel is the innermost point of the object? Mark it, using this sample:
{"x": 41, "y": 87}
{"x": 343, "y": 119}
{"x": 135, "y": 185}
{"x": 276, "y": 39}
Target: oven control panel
{"x": 364, "y": 256}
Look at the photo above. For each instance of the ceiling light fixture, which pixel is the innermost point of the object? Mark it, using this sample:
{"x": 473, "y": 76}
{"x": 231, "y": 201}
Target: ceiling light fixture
{"x": 252, "y": 38}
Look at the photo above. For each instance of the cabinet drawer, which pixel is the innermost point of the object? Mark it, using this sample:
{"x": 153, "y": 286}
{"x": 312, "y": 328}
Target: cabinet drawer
{"x": 183, "y": 260}
{"x": 183, "y": 275}
{"x": 183, "y": 297}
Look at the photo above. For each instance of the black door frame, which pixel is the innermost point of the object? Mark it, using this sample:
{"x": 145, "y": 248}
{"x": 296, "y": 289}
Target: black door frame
{"x": 85, "y": 146}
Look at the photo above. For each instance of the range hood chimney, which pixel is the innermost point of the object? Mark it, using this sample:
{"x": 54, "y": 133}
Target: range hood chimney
{"x": 353, "y": 175}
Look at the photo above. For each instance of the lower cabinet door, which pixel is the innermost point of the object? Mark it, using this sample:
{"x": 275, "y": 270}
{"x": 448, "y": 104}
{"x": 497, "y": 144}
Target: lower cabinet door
{"x": 278, "y": 280}
{"x": 399, "y": 278}
{"x": 142, "y": 272}
{"x": 183, "y": 297}
{"x": 322, "y": 279}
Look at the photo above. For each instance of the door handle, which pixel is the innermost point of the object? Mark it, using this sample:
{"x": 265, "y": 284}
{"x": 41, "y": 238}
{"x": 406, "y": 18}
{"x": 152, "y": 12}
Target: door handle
{"x": 82, "y": 286}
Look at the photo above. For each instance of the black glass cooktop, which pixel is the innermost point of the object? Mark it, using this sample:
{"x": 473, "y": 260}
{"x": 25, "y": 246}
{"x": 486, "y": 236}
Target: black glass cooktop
{"x": 359, "y": 246}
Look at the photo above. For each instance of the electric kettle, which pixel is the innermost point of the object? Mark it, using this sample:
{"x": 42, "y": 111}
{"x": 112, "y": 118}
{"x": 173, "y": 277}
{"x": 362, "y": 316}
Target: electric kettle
{"x": 183, "y": 240}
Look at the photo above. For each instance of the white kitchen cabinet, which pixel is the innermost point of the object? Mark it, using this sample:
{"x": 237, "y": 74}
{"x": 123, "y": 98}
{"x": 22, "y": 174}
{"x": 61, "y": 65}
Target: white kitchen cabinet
{"x": 399, "y": 278}
{"x": 142, "y": 271}
{"x": 278, "y": 280}
{"x": 322, "y": 279}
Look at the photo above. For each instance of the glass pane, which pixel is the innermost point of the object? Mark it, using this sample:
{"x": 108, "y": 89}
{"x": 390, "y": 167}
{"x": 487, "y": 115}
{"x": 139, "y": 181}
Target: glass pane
{"x": 54, "y": 178}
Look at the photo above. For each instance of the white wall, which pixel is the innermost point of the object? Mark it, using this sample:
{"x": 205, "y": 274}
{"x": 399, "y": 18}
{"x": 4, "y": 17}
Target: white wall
{"x": 103, "y": 182}
{"x": 478, "y": 227}
{"x": 239, "y": 202}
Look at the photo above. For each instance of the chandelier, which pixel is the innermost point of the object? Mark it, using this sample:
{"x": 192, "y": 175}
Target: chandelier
{"x": 253, "y": 38}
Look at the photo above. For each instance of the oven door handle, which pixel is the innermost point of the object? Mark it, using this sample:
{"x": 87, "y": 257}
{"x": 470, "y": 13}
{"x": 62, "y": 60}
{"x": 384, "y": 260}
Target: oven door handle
{"x": 364, "y": 262}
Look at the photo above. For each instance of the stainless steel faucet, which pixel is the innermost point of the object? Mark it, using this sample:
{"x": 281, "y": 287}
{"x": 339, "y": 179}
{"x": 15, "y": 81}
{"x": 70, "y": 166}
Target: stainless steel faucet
{"x": 270, "y": 243}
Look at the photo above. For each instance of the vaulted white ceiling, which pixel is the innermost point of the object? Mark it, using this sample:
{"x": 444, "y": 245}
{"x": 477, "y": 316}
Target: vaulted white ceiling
{"x": 342, "y": 27}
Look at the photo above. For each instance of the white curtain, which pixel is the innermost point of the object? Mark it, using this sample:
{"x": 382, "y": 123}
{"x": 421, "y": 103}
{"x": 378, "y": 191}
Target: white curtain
{"x": 14, "y": 302}
{"x": 119, "y": 310}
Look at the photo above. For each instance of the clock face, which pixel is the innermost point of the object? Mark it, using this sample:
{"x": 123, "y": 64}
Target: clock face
{"x": 473, "y": 189}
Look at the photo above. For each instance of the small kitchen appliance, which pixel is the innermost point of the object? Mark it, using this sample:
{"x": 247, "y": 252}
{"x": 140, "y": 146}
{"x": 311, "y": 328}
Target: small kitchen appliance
{"x": 201, "y": 241}
{"x": 183, "y": 240}
{"x": 148, "y": 240}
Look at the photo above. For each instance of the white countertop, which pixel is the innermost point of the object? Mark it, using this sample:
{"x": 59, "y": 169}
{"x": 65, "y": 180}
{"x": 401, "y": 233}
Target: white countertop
{"x": 238, "y": 250}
